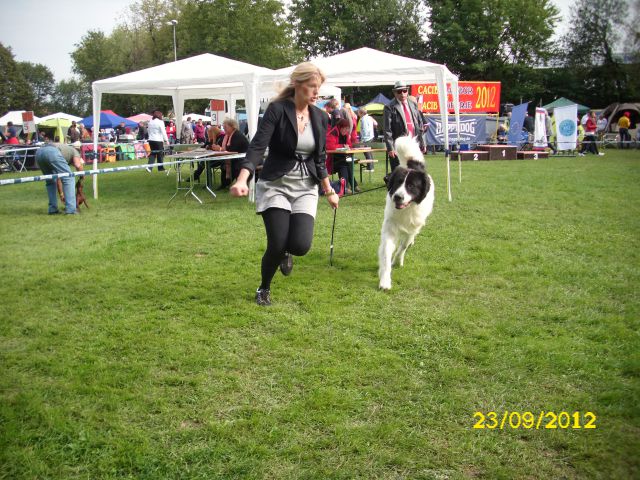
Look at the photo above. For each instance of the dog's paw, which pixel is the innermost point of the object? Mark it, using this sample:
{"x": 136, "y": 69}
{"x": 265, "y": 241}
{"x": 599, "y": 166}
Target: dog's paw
{"x": 385, "y": 284}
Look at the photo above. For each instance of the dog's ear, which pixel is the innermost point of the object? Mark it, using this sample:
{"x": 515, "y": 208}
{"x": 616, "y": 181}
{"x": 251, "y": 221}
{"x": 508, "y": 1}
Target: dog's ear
{"x": 424, "y": 186}
{"x": 395, "y": 178}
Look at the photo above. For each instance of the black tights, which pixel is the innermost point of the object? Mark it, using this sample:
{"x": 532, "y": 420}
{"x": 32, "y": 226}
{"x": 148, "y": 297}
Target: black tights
{"x": 286, "y": 232}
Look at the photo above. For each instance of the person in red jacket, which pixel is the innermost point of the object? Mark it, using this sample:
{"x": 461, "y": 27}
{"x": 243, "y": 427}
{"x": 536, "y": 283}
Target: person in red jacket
{"x": 340, "y": 137}
{"x": 171, "y": 132}
{"x": 590, "y": 129}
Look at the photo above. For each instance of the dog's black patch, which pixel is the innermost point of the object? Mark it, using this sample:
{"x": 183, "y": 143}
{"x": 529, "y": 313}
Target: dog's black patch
{"x": 416, "y": 182}
{"x": 396, "y": 178}
{"x": 415, "y": 165}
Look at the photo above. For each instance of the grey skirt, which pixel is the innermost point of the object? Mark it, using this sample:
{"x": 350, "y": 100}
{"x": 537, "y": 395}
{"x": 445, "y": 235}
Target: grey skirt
{"x": 296, "y": 192}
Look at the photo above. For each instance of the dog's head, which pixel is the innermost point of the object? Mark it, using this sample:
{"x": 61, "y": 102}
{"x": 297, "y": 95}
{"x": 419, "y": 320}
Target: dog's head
{"x": 408, "y": 185}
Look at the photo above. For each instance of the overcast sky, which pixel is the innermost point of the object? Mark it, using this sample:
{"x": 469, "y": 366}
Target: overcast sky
{"x": 40, "y": 31}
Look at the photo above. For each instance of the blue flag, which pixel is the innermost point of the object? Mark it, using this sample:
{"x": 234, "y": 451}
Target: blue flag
{"x": 518, "y": 114}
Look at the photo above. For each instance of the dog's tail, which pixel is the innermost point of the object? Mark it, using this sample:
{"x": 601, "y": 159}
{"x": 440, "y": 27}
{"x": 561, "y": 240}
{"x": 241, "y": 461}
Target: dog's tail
{"x": 407, "y": 149}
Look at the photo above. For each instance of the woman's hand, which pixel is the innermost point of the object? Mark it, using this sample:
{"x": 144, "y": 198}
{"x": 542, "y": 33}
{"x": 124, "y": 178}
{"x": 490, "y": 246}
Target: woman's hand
{"x": 240, "y": 188}
{"x": 333, "y": 200}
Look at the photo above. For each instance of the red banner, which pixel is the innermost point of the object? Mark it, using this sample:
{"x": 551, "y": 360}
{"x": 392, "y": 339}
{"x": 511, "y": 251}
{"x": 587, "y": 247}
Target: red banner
{"x": 216, "y": 105}
{"x": 475, "y": 97}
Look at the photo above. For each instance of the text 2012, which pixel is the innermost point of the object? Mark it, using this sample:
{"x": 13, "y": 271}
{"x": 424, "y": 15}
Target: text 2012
{"x": 531, "y": 420}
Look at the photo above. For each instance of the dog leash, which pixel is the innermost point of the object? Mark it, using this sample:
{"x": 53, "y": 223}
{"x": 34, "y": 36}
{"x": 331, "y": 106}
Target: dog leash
{"x": 335, "y": 211}
{"x": 333, "y": 229}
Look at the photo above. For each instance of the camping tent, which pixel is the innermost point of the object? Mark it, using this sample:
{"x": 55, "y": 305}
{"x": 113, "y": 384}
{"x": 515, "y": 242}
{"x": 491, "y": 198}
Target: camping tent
{"x": 380, "y": 98}
{"x": 563, "y": 102}
{"x": 614, "y": 111}
{"x": 59, "y": 122}
{"x": 367, "y": 67}
{"x": 374, "y": 108}
{"x": 107, "y": 119}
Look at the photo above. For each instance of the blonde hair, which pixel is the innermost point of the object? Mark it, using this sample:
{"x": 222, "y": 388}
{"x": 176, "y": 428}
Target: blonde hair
{"x": 302, "y": 73}
{"x": 213, "y": 133}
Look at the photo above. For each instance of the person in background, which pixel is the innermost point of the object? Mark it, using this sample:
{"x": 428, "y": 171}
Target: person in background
{"x": 401, "y": 117}
{"x": 186, "y": 131}
{"x": 590, "y": 142}
{"x": 157, "y": 140}
{"x": 367, "y": 133}
{"x": 551, "y": 133}
{"x": 56, "y": 158}
{"x": 11, "y": 135}
{"x": 119, "y": 130}
{"x": 580, "y": 134}
{"x": 501, "y": 134}
{"x": 340, "y": 137}
{"x": 199, "y": 132}
{"x": 347, "y": 112}
{"x": 624, "y": 123}
{"x": 233, "y": 141}
{"x": 294, "y": 130}
{"x": 142, "y": 132}
{"x": 171, "y": 132}
{"x": 84, "y": 135}
{"x": 73, "y": 133}
{"x": 332, "y": 107}
{"x": 213, "y": 134}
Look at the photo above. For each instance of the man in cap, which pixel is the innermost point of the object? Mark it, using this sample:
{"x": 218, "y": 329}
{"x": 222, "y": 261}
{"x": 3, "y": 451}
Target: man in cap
{"x": 401, "y": 118}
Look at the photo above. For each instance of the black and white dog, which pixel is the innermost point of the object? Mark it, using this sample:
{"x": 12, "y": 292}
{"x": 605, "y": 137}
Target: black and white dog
{"x": 410, "y": 196}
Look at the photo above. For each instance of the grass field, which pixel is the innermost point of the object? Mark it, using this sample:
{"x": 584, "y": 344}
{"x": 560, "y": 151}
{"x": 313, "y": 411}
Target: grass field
{"x": 130, "y": 346}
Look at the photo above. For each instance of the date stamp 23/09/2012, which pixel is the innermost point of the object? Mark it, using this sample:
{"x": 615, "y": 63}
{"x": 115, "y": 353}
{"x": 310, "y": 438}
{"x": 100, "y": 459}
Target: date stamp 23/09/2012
{"x": 543, "y": 420}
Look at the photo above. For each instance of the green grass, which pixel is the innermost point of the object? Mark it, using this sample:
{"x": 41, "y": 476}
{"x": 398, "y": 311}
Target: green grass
{"x": 130, "y": 345}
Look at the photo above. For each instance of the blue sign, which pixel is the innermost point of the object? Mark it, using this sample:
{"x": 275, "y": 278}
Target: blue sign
{"x": 518, "y": 114}
{"x": 473, "y": 130}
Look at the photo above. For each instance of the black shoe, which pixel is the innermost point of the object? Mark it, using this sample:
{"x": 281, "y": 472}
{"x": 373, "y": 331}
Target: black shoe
{"x": 286, "y": 264}
{"x": 263, "y": 297}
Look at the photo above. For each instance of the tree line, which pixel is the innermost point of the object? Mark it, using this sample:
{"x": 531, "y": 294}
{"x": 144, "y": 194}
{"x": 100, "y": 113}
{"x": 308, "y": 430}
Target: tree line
{"x": 595, "y": 62}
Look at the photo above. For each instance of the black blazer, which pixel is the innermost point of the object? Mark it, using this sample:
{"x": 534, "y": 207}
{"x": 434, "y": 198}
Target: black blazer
{"x": 278, "y": 130}
{"x": 238, "y": 143}
{"x": 395, "y": 125}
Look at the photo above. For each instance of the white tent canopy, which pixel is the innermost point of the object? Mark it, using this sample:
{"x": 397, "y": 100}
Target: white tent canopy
{"x": 195, "y": 117}
{"x": 366, "y": 67}
{"x": 202, "y": 76}
{"x": 61, "y": 115}
{"x": 211, "y": 76}
{"x": 15, "y": 116}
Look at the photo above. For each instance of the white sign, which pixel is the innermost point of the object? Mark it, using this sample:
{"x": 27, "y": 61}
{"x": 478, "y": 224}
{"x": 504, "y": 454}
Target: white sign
{"x": 566, "y": 126}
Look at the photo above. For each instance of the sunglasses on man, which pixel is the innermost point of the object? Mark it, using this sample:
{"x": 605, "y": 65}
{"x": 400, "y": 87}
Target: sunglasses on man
{"x": 404, "y": 90}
